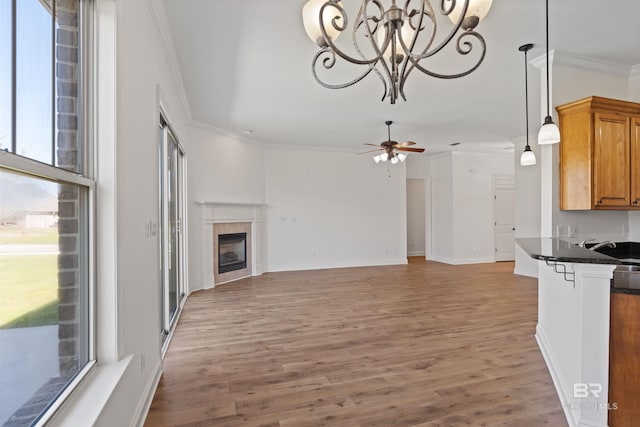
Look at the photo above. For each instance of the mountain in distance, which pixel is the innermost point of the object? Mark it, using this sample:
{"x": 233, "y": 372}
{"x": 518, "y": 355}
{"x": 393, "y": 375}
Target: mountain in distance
{"x": 20, "y": 195}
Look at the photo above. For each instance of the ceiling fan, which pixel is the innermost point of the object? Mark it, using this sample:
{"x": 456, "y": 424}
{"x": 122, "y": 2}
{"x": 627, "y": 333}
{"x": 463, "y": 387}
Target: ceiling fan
{"x": 391, "y": 148}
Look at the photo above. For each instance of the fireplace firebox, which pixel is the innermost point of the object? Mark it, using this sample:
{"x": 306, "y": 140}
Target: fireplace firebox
{"x": 232, "y": 252}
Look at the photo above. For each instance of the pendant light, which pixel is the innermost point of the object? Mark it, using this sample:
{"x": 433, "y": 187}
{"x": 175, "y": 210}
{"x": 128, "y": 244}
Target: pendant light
{"x": 549, "y": 132}
{"x": 528, "y": 157}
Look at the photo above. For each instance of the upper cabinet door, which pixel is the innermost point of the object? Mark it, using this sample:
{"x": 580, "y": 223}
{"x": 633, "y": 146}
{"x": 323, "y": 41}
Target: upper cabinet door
{"x": 635, "y": 162}
{"x": 611, "y": 160}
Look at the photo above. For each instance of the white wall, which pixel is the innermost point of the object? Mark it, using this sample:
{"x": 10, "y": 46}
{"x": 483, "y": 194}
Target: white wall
{"x": 462, "y": 205}
{"x": 527, "y": 205}
{"x": 442, "y": 208}
{"x": 473, "y": 217}
{"x": 416, "y": 217}
{"x": 220, "y": 169}
{"x": 142, "y": 65}
{"x": 634, "y": 227}
{"x": 333, "y": 209}
{"x": 418, "y": 166}
{"x": 634, "y": 84}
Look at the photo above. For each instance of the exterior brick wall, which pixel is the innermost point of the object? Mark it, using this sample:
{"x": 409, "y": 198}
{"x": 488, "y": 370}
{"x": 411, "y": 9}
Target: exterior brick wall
{"x": 68, "y": 156}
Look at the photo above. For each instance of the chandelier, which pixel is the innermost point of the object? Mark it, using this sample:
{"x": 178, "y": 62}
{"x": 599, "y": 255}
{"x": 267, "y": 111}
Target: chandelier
{"x": 393, "y": 41}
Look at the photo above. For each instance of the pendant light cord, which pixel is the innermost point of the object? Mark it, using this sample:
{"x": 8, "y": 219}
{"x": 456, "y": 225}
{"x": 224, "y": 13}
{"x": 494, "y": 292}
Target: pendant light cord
{"x": 526, "y": 95}
{"x": 547, "y": 27}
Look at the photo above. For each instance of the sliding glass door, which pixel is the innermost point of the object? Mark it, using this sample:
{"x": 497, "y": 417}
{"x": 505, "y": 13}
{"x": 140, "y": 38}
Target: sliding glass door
{"x": 172, "y": 228}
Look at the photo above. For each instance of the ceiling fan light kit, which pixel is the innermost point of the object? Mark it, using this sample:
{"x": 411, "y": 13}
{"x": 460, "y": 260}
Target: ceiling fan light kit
{"x": 549, "y": 132}
{"x": 528, "y": 157}
{"x": 392, "y": 41}
{"x": 391, "y": 149}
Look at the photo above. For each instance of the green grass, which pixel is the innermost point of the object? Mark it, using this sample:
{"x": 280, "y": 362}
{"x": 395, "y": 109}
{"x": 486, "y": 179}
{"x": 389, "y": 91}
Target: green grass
{"x": 28, "y": 290}
{"x": 28, "y": 236}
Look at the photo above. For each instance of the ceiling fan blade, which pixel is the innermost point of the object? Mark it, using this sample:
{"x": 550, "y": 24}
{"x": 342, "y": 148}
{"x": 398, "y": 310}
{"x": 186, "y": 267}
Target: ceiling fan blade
{"x": 370, "y": 151}
{"x": 404, "y": 144}
{"x": 413, "y": 150}
{"x": 373, "y": 145}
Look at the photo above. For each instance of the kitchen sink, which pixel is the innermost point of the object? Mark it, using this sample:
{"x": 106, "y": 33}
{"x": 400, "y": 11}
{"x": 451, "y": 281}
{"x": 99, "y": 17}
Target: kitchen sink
{"x": 622, "y": 251}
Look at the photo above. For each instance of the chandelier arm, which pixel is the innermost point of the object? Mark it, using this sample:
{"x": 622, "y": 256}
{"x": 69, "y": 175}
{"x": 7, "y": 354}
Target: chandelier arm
{"x": 341, "y": 28}
{"x": 363, "y": 18}
{"x": 463, "y": 51}
{"x": 424, "y": 4}
{"x": 426, "y": 53}
{"x": 448, "y": 11}
{"x": 329, "y": 62}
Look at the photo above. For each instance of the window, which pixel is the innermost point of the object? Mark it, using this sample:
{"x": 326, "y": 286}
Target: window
{"x": 46, "y": 193}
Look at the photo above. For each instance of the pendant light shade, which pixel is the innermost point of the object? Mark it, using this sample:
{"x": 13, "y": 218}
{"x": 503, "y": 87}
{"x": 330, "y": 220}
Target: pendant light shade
{"x": 476, "y": 11}
{"x": 528, "y": 157}
{"x": 311, "y": 21}
{"x": 549, "y": 132}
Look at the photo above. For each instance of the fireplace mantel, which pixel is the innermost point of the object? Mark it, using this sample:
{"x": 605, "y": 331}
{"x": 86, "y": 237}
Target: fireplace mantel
{"x": 230, "y": 212}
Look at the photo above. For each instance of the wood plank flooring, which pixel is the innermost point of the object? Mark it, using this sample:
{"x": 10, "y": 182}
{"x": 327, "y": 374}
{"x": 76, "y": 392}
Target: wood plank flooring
{"x": 424, "y": 344}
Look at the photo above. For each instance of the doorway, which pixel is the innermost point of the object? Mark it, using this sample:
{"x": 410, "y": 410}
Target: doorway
{"x": 504, "y": 217}
{"x": 418, "y": 218}
{"x": 172, "y": 243}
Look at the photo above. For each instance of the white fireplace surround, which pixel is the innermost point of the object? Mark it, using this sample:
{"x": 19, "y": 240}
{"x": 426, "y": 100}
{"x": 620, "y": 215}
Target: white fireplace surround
{"x": 231, "y": 212}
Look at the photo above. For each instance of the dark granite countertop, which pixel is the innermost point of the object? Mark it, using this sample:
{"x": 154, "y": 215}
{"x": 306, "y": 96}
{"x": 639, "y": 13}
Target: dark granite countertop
{"x": 554, "y": 249}
{"x": 557, "y": 250}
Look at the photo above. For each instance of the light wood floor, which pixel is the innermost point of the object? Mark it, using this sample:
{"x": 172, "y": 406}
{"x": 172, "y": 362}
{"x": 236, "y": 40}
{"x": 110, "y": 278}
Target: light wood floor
{"x": 426, "y": 344}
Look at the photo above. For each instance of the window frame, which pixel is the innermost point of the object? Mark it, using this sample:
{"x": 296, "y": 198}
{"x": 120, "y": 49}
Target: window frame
{"x": 15, "y": 163}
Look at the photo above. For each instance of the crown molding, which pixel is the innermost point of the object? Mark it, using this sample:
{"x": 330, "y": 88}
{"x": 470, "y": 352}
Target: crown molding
{"x": 268, "y": 145}
{"x": 159, "y": 14}
{"x": 559, "y": 57}
{"x": 227, "y": 133}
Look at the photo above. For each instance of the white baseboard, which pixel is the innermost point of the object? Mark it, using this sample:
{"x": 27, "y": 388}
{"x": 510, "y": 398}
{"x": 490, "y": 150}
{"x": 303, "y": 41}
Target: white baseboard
{"x": 442, "y": 259}
{"x": 416, "y": 253}
{"x": 558, "y": 382}
{"x": 525, "y": 272}
{"x": 145, "y": 404}
{"x": 324, "y": 266}
{"x": 463, "y": 261}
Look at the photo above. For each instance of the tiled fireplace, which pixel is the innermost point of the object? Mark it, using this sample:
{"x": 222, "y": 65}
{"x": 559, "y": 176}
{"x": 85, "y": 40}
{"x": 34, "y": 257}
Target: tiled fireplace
{"x": 232, "y": 242}
{"x": 231, "y": 253}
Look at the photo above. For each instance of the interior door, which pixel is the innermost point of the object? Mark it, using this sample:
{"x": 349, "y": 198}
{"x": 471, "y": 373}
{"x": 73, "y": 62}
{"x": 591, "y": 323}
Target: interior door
{"x": 504, "y": 225}
{"x": 172, "y": 246}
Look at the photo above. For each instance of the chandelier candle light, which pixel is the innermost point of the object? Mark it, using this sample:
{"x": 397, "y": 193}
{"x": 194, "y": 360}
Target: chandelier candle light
{"x": 528, "y": 157}
{"x": 392, "y": 41}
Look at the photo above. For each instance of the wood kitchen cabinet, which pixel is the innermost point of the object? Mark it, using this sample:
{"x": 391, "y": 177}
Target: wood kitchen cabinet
{"x": 624, "y": 360}
{"x": 599, "y": 154}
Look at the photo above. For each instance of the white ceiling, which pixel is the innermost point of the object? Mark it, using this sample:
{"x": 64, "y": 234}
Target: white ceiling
{"x": 246, "y": 64}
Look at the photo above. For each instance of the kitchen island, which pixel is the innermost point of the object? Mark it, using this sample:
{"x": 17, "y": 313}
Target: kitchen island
{"x": 574, "y": 286}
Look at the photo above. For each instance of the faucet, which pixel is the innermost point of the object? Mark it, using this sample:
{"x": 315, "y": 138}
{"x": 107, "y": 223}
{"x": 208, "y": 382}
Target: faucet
{"x": 582, "y": 243}
{"x": 603, "y": 244}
